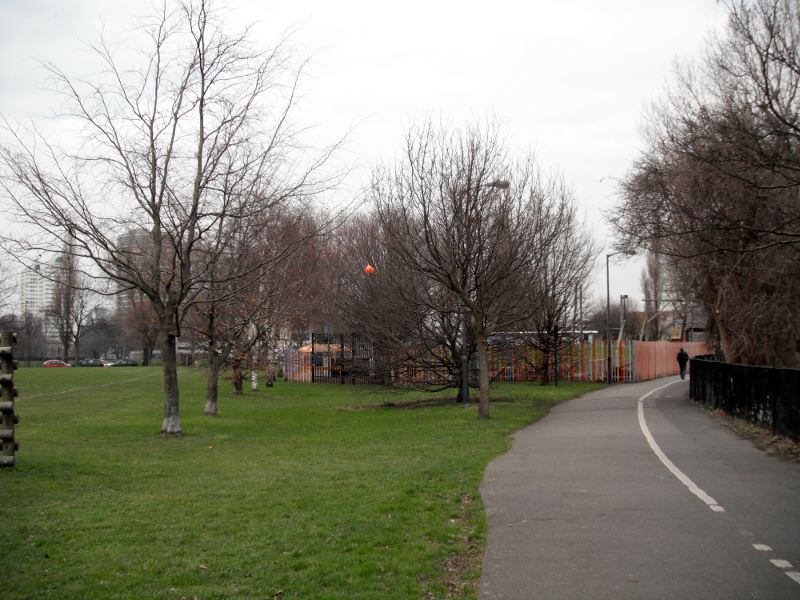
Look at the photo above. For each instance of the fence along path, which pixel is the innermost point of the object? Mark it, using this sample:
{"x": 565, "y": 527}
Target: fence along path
{"x": 764, "y": 396}
{"x": 631, "y": 361}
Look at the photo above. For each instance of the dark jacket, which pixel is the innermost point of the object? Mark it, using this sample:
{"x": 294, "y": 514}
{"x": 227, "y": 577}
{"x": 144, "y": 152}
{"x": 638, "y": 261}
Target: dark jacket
{"x": 683, "y": 358}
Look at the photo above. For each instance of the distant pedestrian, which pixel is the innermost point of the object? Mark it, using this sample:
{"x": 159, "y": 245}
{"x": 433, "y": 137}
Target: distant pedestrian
{"x": 683, "y": 358}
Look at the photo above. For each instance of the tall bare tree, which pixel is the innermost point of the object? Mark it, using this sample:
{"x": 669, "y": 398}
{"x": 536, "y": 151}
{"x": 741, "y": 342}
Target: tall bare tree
{"x": 471, "y": 222}
{"x": 566, "y": 260}
{"x": 716, "y": 188}
{"x": 180, "y": 147}
{"x": 653, "y": 285}
{"x": 72, "y": 311}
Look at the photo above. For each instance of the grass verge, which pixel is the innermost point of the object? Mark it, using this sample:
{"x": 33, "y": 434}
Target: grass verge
{"x": 762, "y": 437}
{"x": 286, "y": 494}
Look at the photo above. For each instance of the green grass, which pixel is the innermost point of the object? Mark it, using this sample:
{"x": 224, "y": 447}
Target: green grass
{"x": 285, "y": 495}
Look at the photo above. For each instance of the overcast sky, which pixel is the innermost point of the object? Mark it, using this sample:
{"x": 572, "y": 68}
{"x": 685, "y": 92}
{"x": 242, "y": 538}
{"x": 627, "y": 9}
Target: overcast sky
{"x": 569, "y": 79}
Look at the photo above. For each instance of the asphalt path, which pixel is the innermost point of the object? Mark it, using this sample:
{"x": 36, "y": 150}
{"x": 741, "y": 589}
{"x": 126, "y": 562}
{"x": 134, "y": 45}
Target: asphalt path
{"x": 583, "y": 506}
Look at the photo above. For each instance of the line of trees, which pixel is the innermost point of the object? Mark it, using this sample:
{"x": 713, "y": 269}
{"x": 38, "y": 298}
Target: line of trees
{"x": 188, "y": 150}
{"x": 188, "y": 191}
{"x": 715, "y": 192}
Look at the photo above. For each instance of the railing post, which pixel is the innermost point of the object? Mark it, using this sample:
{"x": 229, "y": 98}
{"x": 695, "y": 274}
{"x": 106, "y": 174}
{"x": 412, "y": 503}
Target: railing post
{"x": 313, "y": 359}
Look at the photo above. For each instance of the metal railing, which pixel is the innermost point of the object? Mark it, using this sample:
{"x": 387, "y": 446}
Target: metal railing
{"x": 761, "y": 395}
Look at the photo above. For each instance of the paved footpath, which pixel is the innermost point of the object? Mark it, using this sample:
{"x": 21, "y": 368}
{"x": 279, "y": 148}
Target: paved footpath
{"x": 583, "y": 506}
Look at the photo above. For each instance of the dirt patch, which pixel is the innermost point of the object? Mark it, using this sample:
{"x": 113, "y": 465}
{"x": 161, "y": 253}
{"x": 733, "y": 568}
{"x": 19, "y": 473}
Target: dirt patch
{"x": 459, "y": 568}
{"x": 763, "y": 438}
{"x": 453, "y": 568}
{"x": 419, "y": 403}
{"x": 402, "y": 404}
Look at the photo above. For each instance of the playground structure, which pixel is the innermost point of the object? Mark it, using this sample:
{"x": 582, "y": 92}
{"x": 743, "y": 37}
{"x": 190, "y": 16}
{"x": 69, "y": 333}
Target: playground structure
{"x": 332, "y": 358}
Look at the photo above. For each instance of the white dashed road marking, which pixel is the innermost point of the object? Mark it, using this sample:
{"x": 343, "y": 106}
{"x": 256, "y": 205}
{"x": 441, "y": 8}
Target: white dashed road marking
{"x": 685, "y": 480}
{"x": 680, "y": 475}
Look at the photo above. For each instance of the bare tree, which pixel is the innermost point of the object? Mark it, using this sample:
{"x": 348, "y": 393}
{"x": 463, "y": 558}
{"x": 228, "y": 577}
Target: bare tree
{"x": 31, "y": 341}
{"x": 234, "y": 316}
{"x": 73, "y": 307}
{"x": 716, "y": 188}
{"x": 596, "y": 319}
{"x": 407, "y": 320}
{"x": 566, "y": 263}
{"x": 653, "y": 283}
{"x": 472, "y": 223}
{"x": 103, "y": 337}
{"x": 6, "y": 291}
{"x": 187, "y": 143}
{"x": 139, "y": 322}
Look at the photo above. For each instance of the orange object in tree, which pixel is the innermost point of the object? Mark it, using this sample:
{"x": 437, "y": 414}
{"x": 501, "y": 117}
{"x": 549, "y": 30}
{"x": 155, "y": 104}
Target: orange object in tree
{"x": 369, "y": 269}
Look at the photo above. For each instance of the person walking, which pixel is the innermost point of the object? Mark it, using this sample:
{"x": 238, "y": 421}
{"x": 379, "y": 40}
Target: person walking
{"x": 683, "y": 358}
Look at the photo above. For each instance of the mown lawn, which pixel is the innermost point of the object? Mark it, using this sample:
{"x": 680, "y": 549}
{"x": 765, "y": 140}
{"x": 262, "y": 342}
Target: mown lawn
{"x": 287, "y": 494}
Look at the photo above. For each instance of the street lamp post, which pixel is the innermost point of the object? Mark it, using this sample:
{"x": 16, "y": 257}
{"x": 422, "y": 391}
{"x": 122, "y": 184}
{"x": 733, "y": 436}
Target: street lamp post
{"x": 608, "y": 315}
{"x": 498, "y": 184}
{"x": 623, "y": 309}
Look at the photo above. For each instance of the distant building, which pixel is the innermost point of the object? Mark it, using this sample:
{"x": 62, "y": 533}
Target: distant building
{"x": 37, "y": 291}
{"x": 696, "y": 324}
{"x": 688, "y": 324}
{"x": 136, "y": 243}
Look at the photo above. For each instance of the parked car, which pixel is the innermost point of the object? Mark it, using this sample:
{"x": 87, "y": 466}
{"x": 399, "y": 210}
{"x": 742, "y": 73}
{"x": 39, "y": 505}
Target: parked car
{"x": 124, "y": 362}
{"x": 55, "y": 363}
{"x": 91, "y": 362}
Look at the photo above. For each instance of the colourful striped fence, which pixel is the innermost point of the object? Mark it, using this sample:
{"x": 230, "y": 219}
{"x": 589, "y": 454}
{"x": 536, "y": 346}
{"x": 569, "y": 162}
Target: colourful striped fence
{"x": 631, "y": 361}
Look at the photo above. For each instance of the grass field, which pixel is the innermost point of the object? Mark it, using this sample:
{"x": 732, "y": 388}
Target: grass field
{"x": 292, "y": 492}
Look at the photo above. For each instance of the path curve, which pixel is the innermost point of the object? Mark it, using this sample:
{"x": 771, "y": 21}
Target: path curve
{"x": 582, "y": 506}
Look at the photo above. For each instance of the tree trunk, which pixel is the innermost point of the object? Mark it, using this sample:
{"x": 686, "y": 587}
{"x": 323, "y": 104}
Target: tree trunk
{"x": 214, "y": 360}
{"x": 238, "y": 378}
{"x": 724, "y": 343}
{"x": 544, "y": 367}
{"x": 483, "y": 368}
{"x": 212, "y": 387}
{"x": 146, "y": 353}
{"x": 172, "y": 418}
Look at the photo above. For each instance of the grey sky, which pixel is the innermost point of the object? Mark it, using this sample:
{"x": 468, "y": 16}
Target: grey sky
{"x": 569, "y": 79}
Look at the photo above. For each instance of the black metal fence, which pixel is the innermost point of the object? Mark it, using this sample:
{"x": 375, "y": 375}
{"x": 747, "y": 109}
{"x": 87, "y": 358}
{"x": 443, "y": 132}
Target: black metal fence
{"x": 761, "y": 395}
{"x": 339, "y": 358}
